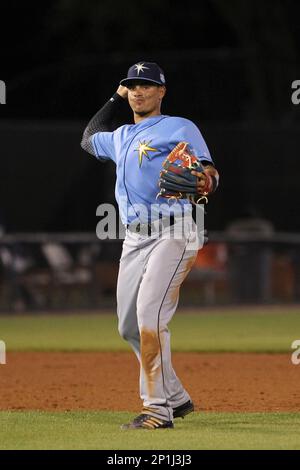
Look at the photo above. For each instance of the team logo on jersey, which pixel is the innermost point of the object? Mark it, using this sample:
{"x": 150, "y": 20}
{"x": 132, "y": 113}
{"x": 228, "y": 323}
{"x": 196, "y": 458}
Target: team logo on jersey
{"x": 143, "y": 150}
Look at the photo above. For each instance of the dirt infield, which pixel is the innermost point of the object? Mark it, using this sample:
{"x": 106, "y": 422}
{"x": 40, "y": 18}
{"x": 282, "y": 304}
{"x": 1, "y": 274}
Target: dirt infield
{"x": 109, "y": 381}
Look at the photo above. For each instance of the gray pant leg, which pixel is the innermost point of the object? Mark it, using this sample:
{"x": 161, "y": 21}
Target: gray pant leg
{"x": 129, "y": 280}
{"x": 167, "y": 267}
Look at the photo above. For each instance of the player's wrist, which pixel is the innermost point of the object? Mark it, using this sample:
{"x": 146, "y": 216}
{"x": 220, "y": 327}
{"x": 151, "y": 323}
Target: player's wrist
{"x": 116, "y": 98}
{"x": 122, "y": 91}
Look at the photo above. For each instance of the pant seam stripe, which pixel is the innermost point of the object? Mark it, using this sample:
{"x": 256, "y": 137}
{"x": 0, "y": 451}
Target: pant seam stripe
{"x": 158, "y": 318}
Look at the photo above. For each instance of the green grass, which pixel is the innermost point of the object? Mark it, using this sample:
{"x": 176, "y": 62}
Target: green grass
{"x": 252, "y": 330}
{"x": 101, "y": 430}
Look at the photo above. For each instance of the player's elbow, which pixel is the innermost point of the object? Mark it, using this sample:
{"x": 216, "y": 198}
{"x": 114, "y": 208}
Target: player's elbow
{"x": 86, "y": 144}
{"x": 83, "y": 143}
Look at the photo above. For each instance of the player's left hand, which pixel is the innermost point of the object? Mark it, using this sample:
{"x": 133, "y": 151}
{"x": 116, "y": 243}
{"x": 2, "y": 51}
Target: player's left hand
{"x": 204, "y": 182}
{"x": 207, "y": 180}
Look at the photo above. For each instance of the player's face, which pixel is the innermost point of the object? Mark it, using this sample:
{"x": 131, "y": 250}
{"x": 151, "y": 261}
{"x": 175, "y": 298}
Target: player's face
{"x": 145, "y": 98}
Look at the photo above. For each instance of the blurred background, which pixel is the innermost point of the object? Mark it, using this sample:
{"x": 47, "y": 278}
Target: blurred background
{"x": 229, "y": 67}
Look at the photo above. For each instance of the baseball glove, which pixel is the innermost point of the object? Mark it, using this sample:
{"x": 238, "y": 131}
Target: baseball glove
{"x": 176, "y": 179}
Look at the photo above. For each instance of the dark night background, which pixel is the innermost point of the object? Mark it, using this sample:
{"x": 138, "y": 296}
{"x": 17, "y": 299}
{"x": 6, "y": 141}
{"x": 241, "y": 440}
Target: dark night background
{"x": 229, "y": 66}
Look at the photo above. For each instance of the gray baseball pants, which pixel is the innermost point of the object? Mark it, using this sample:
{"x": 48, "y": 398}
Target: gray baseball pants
{"x": 151, "y": 272}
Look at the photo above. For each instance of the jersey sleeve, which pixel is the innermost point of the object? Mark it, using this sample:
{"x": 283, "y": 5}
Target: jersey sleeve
{"x": 189, "y": 132}
{"x": 103, "y": 143}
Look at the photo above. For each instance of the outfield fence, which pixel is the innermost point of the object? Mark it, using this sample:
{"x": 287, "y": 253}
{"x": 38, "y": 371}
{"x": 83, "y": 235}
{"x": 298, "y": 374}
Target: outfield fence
{"x": 62, "y": 271}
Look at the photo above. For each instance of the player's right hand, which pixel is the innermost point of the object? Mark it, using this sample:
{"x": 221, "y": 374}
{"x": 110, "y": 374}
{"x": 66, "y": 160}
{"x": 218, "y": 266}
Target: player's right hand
{"x": 122, "y": 91}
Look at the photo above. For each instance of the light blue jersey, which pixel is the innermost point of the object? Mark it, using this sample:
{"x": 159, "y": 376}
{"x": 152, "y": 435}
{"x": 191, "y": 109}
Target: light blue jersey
{"x": 138, "y": 151}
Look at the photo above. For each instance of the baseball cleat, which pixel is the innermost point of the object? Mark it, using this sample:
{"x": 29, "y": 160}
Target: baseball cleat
{"x": 183, "y": 410}
{"x": 144, "y": 421}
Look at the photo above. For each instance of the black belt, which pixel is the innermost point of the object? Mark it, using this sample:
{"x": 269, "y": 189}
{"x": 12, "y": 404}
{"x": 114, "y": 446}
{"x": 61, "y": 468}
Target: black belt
{"x": 156, "y": 226}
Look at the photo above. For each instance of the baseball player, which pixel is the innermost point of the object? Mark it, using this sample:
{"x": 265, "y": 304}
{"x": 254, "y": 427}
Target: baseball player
{"x": 152, "y": 266}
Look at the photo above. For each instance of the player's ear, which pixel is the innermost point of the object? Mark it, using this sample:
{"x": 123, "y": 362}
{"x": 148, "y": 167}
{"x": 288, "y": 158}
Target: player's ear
{"x": 162, "y": 91}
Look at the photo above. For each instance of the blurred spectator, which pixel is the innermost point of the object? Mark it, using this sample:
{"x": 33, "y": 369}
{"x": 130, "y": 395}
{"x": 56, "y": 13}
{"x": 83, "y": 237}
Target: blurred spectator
{"x": 2, "y": 225}
{"x": 250, "y": 261}
{"x": 14, "y": 261}
{"x": 210, "y": 268}
{"x": 295, "y": 264}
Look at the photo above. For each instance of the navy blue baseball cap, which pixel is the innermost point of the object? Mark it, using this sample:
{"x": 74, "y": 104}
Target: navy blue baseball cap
{"x": 148, "y": 71}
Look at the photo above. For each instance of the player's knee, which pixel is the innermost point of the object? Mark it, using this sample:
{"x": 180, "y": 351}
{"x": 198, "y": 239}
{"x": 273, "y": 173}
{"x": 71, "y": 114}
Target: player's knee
{"x": 122, "y": 331}
{"x": 126, "y": 332}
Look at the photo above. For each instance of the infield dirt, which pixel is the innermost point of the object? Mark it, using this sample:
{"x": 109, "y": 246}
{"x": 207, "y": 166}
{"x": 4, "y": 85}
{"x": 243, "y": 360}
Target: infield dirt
{"x": 109, "y": 381}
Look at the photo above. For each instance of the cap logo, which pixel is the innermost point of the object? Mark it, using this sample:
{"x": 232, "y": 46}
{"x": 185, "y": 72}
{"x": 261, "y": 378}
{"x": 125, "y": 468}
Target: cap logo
{"x": 140, "y": 68}
{"x": 162, "y": 78}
